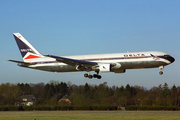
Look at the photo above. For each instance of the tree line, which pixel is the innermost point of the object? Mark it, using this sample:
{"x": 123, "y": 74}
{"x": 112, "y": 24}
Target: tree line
{"x": 102, "y": 94}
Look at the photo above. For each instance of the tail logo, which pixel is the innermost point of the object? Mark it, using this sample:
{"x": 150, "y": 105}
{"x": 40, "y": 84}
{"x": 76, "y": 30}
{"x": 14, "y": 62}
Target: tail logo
{"x": 31, "y": 56}
{"x": 25, "y": 50}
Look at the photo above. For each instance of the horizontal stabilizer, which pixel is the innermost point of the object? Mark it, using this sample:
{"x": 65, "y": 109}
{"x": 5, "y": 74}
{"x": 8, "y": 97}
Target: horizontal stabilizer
{"x": 21, "y": 62}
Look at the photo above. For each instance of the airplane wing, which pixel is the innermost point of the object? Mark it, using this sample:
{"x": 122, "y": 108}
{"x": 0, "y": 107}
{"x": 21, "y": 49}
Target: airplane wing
{"x": 73, "y": 62}
{"x": 21, "y": 62}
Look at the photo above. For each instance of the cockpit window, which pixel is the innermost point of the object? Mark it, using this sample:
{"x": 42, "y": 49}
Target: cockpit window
{"x": 166, "y": 56}
{"x": 169, "y": 58}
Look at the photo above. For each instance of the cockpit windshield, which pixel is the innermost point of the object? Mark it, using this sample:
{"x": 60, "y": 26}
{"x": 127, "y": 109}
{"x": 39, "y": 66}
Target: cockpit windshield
{"x": 169, "y": 58}
{"x": 166, "y": 56}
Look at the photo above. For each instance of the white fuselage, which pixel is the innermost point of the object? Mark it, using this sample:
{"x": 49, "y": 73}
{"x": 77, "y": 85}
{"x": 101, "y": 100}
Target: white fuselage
{"x": 134, "y": 60}
{"x": 116, "y": 62}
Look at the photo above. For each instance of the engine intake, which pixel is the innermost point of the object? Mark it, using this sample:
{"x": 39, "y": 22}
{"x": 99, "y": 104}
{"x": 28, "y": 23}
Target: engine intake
{"x": 115, "y": 65}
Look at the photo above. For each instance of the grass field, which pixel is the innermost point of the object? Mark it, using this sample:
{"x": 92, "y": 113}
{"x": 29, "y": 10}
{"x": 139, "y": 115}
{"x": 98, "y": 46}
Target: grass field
{"x": 91, "y": 115}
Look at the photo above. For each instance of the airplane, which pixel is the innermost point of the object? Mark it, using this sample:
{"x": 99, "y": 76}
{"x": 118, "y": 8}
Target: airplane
{"x": 116, "y": 62}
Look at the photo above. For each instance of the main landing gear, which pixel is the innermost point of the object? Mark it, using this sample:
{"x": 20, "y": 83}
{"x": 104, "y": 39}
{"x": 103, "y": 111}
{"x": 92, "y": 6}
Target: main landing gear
{"x": 161, "y": 70}
{"x": 92, "y": 76}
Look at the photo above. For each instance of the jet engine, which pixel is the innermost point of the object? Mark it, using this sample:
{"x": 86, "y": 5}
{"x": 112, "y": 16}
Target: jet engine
{"x": 115, "y": 65}
{"x": 120, "y": 71}
{"x": 108, "y": 67}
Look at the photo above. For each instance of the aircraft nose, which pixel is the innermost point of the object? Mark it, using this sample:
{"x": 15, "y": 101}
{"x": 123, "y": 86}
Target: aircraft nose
{"x": 169, "y": 58}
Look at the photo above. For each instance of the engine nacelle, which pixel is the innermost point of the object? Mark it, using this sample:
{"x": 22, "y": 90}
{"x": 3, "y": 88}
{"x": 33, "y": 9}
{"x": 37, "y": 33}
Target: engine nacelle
{"x": 120, "y": 71}
{"x": 115, "y": 65}
{"x": 104, "y": 67}
{"x": 109, "y": 67}
{"x": 83, "y": 68}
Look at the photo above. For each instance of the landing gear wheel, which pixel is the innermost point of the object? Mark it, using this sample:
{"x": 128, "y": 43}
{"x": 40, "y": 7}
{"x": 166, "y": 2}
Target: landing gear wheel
{"x": 90, "y": 76}
{"x": 95, "y": 75}
{"x": 86, "y": 75}
{"x": 99, "y": 77}
{"x": 160, "y": 72}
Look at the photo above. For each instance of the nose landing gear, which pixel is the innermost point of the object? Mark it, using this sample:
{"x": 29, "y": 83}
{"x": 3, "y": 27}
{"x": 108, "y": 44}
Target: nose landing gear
{"x": 161, "y": 70}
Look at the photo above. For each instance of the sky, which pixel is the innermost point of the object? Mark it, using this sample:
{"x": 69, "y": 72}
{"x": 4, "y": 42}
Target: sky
{"x": 79, "y": 27}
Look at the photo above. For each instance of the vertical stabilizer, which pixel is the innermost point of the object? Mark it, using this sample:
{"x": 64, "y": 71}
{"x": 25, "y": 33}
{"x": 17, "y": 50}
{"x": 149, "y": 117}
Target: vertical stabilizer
{"x": 27, "y": 51}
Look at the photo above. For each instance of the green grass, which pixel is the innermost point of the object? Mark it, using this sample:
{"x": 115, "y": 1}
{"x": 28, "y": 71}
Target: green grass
{"x": 91, "y": 115}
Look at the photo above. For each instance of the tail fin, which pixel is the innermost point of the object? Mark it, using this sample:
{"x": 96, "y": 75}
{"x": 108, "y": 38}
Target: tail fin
{"x": 27, "y": 51}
